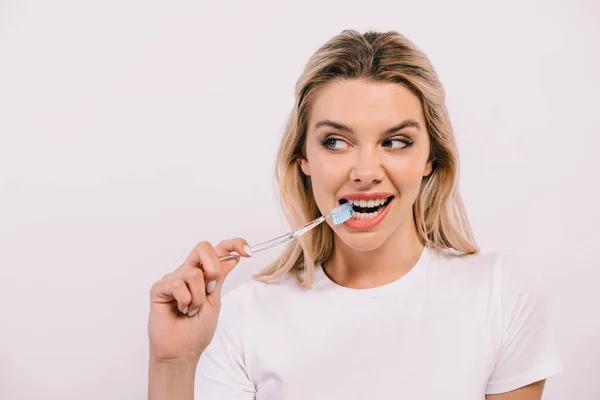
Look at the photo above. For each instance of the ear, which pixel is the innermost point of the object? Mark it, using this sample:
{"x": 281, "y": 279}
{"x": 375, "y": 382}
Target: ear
{"x": 304, "y": 165}
{"x": 428, "y": 167}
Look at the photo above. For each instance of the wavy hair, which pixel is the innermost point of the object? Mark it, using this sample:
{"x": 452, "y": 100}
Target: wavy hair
{"x": 438, "y": 211}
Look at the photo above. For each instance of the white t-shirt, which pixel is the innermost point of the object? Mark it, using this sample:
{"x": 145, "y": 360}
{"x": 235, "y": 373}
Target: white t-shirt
{"x": 454, "y": 327}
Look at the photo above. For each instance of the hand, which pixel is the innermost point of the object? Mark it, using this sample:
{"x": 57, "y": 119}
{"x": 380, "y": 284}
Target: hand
{"x": 185, "y": 304}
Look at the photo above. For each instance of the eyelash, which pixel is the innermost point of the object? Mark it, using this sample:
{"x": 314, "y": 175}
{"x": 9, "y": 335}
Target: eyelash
{"x": 328, "y": 139}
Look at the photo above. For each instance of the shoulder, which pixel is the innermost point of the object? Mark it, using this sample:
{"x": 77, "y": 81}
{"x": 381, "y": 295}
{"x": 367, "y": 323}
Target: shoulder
{"x": 461, "y": 269}
{"x": 450, "y": 260}
{"x": 489, "y": 265}
{"x": 500, "y": 275}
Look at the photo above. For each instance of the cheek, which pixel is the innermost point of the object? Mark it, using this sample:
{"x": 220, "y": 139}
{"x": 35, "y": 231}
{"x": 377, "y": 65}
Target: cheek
{"x": 327, "y": 174}
{"x": 406, "y": 175}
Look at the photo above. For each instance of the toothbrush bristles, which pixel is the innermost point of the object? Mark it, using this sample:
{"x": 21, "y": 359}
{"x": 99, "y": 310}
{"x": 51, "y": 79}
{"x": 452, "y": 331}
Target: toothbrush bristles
{"x": 341, "y": 214}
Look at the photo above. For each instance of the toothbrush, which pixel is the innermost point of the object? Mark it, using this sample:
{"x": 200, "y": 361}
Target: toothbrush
{"x": 339, "y": 215}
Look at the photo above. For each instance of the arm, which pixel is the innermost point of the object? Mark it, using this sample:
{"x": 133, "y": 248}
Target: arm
{"x": 172, "y": 381}
{"x": 184, "y": 310}
{"x": 527, "y": 352}
{"x": 530, "y": 392}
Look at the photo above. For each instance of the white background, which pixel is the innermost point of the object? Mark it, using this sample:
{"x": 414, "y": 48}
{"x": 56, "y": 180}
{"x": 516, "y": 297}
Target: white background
{"x": 129, "y": 131}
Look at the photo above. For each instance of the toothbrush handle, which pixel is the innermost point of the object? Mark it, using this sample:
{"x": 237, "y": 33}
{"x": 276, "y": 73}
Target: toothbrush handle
{"x": 278, "y": 240}
{"x": 232, "y": 256}
{"x": 261, "y": 246}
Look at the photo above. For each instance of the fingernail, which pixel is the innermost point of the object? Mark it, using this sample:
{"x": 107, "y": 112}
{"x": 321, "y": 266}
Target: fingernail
{"x": 247, "y": 250}
{"x": 194, "y": 312}
{"x": 211, "y": 286}
{"x": 185, "y": 310}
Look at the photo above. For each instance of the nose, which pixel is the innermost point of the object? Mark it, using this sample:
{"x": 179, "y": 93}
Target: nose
{"x": 367, "y": 169}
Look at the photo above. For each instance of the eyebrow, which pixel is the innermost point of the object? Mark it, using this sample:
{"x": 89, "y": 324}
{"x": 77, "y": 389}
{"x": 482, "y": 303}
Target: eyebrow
{"x": 409, "y": 123}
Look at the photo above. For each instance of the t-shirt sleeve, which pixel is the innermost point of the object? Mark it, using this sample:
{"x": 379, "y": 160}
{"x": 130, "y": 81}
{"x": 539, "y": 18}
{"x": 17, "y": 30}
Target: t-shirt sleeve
{"x": 221, "y": 373}
{"x": 527, "y": 349}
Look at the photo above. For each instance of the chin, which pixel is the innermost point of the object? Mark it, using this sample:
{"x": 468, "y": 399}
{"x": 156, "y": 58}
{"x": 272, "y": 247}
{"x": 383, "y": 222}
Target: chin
{"x": 362, "y": 241}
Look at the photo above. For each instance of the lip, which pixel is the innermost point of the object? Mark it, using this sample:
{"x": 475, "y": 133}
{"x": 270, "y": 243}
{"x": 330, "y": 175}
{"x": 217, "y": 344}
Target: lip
{"x": 372, "y": 222}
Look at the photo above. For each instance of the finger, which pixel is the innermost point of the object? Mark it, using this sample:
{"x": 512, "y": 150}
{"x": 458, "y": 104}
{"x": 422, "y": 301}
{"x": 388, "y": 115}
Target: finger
{"x": 195, "y": 282}
{"x": 209, "y": 260}
{"x": 240, "y": 245}
{"x": 204, "y": 257}
{"x": 194, "y": 259}
{"x": 226, "y": 247}
{"x": 172, "y": 288}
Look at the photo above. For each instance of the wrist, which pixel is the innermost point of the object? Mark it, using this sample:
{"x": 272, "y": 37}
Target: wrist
{"x": 162, "y": 358}
{"x": 180, "y": 365}
{"x": 171, "y": 379}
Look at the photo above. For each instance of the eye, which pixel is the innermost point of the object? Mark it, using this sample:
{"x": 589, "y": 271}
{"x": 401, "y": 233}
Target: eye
{"x": 397, "y": 143}
{"x": 333, "y": 143}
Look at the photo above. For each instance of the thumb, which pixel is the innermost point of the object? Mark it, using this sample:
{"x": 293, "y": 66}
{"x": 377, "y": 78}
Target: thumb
{"x": 217, "y": 286}
{"x": 225, "y": 248}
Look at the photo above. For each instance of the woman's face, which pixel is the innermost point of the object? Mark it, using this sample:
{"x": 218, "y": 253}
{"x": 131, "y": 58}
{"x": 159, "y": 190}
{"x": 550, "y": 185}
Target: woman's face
{"x": 367, "y": 143}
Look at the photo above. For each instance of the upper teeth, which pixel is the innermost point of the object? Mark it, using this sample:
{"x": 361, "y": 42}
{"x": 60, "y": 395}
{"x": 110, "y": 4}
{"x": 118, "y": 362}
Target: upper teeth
{"x": 368, "y": 203}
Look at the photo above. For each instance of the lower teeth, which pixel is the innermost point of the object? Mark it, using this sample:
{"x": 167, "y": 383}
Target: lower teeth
{"x": 358, "y": 215}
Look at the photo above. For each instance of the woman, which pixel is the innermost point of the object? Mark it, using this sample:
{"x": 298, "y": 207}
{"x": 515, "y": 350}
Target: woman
{"x": 395, "y": 303}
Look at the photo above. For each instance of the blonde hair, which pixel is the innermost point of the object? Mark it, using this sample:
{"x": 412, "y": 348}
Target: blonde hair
{"x": 439, "y": 213}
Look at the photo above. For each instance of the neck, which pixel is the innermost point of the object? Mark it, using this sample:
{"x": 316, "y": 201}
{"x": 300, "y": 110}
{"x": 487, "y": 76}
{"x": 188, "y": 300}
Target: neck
{"x": 361, "y": 269}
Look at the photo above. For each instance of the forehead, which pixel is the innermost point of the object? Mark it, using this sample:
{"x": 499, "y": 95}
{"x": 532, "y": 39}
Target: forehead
{"x": 363, "y": 103}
